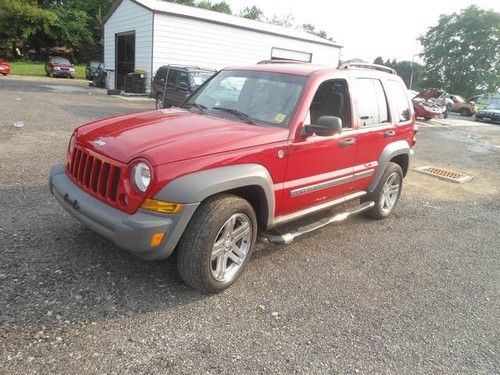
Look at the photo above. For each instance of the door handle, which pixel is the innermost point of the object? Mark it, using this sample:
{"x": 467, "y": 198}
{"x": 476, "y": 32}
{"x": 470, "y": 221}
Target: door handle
{"x": 347, "y": 142}
{"x": 389, "y": 133}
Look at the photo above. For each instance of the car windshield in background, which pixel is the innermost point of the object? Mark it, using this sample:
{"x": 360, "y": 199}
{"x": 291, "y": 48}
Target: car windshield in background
{"x": 59, "y": 60}
{"x": 250, "y": 96}
{"x": 494, "y": 105}
{"x": 197, "y": 78}
{"x": 459, "y": 99}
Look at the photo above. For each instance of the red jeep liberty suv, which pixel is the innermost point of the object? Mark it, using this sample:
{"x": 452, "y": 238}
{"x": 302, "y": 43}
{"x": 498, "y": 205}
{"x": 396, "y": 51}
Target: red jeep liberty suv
{"x": 253, "y": 148}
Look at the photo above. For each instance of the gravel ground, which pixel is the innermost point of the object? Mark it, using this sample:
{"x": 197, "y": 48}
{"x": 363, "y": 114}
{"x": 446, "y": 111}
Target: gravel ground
{"x": 415, "y": 293}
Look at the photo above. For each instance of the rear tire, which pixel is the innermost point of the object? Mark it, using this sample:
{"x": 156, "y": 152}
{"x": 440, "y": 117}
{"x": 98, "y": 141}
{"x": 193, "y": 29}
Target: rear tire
{"x": 217, "y": 243}
{"x": 465, "y": 112}
{"x": 387, "y": 193}
{"x": 159, "y": 102}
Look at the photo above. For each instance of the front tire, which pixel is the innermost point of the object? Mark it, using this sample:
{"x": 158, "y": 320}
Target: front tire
{"x": 217, "y": 243}
{"x": 387, "y": 192}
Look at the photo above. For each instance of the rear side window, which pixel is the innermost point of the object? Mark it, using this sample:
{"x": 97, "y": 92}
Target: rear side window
{"x": 399, "y": 99}
{"x": 172, "y": 77}
{"x": 183, "y": 78}
{"x": 372, "y": 103}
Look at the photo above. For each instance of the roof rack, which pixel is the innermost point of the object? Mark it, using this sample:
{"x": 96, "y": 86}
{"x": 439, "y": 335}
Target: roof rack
{"x": 381, "y": 68}
{"x": 283, "y": 61}
{"x": 178, "y": 66}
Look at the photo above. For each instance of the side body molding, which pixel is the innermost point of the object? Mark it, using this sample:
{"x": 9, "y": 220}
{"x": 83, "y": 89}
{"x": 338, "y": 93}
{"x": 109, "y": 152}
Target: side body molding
{"x": 389, "y": 152}
{"x": 196, "y": 187}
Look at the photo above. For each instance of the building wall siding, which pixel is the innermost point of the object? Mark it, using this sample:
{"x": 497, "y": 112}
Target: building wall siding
{"x": 129, "y": 17}
{"x": 185, "y": 41}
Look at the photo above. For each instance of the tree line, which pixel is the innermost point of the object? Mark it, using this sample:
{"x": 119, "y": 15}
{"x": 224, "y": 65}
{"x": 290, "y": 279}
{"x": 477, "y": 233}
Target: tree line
{"x": 461, "y": 54}
{"x": 77, "y": 25}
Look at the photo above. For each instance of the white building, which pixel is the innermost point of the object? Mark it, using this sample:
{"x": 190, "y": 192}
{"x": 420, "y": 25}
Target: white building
{"x": 146, "y": 34}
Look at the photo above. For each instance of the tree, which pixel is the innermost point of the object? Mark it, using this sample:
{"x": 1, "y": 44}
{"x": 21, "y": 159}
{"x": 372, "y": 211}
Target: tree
{"x": 20, "y": 20}
{"x": 462, "y": 52}
{"x": 286, "y": 21}
{"x": 311, "y": 29}
{"x": 404, "y": 70}
{"x": 222, "y": 7}
{"x": 253, "y": 13}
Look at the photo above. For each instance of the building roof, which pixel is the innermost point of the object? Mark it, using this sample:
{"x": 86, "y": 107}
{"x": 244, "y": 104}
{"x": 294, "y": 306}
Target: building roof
{"x": 302, "y": 69}
{"x": 161, "y": 6}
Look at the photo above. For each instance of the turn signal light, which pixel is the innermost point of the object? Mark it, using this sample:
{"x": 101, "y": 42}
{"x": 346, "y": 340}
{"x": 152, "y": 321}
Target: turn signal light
{"x": 162, "y": 206}
{"x": 156, "y": 239}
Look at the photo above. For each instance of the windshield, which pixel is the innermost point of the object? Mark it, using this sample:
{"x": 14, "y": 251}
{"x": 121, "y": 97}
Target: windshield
{"x": 249, "y": 96}
{"x": 59, "y": 60}
{"x": 197, "y": 78}
{"x": 494, "y": 105}
{"x": 459, "y": 99}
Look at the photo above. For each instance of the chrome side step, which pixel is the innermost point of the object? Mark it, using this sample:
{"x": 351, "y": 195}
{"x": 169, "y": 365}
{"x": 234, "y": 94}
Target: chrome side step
{"x": 287, "y": 238}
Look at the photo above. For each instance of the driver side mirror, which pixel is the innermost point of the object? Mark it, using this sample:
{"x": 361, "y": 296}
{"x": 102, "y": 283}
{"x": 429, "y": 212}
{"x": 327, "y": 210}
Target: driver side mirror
{"x": 325, "y": 126}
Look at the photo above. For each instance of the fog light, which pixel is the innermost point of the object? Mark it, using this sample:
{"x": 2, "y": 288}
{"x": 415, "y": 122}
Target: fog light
{"x": 162, "y": 206}
{"x": 156, "y": 239}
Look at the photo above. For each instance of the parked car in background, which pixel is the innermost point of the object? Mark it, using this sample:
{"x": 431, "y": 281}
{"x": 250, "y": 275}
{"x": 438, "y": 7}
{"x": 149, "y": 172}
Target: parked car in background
{"x": 92, "y": 69}
{"x": 57, "y": 66}
{"x": 460, "y": 105}
{"x": 489, "y": 114}
{"x": 484, "y": 100}
{"x": 181, "y": 82}
{"x": 428, "y": 103}
{"x": 4, "y": 68}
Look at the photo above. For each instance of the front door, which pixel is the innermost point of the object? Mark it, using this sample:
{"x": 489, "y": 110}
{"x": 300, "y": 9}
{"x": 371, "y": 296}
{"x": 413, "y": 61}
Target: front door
{"x": 321, "y": 168}
{"x": 125, "y": 57}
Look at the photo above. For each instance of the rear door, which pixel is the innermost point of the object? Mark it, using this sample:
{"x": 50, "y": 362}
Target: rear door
{"x": 376, "y": 129}
{"x": 181, "y": 91}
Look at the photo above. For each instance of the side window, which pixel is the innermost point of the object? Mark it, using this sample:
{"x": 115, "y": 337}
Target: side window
{"x": 399, "y": 99}
{"x": 172, "y": 77}
{"x": 331, "y": 99}
{"x": 182, "y": 78}
{"x": 372, "y": 103}
{"x": 161, "y": 74}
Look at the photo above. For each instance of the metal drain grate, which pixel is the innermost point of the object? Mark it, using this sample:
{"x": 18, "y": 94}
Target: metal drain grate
{"x": 444, "y": 174}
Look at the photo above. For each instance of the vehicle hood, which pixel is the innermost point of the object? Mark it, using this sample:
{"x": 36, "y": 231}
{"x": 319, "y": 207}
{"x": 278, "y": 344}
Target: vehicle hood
{"x": 431, "y": 93}
{"x": 171, "y": 135}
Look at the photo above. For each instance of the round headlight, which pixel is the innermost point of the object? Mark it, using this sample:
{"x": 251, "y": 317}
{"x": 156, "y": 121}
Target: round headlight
{"x": 141, "y": 176}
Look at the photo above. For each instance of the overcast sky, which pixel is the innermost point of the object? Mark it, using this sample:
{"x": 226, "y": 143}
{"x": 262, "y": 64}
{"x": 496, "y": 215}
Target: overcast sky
{"x": 368, "y": 29}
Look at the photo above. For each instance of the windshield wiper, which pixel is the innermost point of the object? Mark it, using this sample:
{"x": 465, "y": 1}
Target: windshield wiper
{"x": 200, "y": 107}
{"x": 235, "y": 112}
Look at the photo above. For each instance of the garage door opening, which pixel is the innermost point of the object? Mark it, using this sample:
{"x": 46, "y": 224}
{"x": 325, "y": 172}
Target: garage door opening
{"x": 125, "y": 57}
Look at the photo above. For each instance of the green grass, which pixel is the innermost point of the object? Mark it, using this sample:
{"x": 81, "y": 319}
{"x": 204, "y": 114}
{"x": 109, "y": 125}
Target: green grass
{"x": 34, "y": 68}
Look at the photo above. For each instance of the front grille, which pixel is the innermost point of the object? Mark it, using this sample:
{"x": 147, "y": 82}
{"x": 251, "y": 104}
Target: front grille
{"x": 94, "y": 174}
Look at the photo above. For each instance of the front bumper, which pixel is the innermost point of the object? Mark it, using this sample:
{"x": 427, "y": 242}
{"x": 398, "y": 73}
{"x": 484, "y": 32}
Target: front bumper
{"x": 129, "y": 232}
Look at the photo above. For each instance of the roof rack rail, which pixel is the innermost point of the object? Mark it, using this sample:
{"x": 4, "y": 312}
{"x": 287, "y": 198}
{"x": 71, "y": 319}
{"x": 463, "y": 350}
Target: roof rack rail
{"x": 282, "y": 61}
{"x": 381, "y": 68}
{"x": 179, "y": 66}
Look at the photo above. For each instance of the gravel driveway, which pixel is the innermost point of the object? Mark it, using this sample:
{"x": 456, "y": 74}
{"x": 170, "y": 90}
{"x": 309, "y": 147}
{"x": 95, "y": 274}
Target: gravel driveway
{"x": 416, "y": 293}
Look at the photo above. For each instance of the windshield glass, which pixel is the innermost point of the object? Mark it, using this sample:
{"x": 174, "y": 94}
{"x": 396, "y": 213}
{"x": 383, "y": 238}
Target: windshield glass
{"x": 261, "y": 97}
{"x": 197, "y": 78}
{"x": 494, "y": 105}
{"x": 59, "y": 60}
{"x": 459, "y": 99}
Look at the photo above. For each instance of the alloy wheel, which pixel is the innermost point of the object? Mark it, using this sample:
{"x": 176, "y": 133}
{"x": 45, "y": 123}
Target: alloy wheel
{"x": 231, "y": 247}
